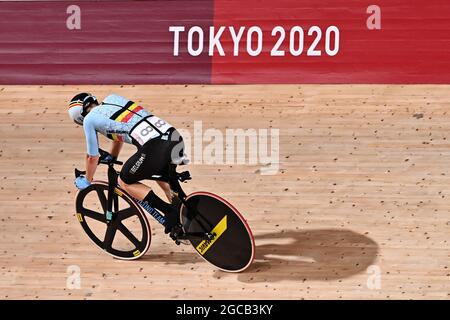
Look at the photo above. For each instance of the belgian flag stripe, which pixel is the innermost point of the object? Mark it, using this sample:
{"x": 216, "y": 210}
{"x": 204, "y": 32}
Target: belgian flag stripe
{"x": 116, "y": 114}
{"x": 127, "y": 114}
{"x": 74, "y": 104}
{"x": 124, "y": 115}
{"x": 127, "y": 117}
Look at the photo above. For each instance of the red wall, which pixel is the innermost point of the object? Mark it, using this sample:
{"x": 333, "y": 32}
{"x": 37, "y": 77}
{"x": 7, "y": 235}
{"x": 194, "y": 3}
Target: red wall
{"x": 119, "y": 42}
{"x": 129, "y": 42}
{"x": 413, "y": 45}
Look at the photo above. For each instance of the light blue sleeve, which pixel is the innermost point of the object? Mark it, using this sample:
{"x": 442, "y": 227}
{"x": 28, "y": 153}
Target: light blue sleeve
{"x": 91, "y": 136}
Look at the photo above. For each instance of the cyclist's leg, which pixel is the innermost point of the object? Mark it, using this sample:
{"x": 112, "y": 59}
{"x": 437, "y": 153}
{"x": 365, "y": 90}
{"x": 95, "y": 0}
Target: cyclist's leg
{"x": 175, "y": 155}
{"x": 165, "y": 186}
{"x": 130, "y": 182}
{"x": 150, "y": 159}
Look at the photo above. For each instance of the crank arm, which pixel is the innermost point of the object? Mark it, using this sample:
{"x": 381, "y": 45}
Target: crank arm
{"x": 196, "y": 235}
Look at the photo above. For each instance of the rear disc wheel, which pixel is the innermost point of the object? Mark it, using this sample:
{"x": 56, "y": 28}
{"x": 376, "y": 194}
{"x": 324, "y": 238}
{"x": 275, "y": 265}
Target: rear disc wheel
{"x": 232, "y": 248}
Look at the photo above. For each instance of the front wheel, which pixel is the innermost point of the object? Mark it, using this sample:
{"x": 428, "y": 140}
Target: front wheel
{"x": 232, "y": 248}
{"x": 127, "y": 236}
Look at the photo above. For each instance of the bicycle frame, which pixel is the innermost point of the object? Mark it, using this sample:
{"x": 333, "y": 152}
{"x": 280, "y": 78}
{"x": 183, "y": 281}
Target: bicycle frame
{"x": 199, "y": 213}
{"x": 174, "y": 182}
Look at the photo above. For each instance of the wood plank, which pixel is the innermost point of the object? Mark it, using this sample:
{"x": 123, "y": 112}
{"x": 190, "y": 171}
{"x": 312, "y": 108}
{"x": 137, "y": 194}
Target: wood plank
{"x": 363, "y": 181}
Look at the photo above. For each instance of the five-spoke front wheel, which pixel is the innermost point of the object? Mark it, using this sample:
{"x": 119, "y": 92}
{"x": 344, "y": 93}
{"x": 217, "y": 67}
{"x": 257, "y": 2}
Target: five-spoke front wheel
{"x": 127, "y": 236}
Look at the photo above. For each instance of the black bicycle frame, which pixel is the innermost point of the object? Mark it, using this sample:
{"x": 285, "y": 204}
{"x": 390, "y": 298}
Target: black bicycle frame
{"x": 112, "y": 196}
{"x": 173, "y": 179}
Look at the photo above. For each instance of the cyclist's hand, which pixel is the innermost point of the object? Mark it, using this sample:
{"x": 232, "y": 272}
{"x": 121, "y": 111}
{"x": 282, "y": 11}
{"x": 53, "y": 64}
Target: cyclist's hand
{"x": 109, "y": 158}
{"x": 106, "y": 158}
{"x": 81, "y": 182}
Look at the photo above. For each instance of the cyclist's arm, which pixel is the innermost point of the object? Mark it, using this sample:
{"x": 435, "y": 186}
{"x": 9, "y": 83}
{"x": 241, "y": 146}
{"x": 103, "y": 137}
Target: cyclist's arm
{"x": 92, "y": 147}
{"x": 116, "y": 146}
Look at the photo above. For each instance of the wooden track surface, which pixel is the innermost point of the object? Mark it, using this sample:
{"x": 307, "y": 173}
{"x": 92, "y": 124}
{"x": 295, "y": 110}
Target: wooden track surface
{"x": 364, "y": 182}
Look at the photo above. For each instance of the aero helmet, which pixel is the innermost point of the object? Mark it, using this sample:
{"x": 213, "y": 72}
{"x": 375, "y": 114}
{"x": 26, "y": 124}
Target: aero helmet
{"x": 78, "y": 106}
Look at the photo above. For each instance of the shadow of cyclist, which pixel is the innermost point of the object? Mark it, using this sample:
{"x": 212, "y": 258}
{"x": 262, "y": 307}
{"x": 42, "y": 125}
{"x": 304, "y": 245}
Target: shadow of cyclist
{"x": 309, "y": 255}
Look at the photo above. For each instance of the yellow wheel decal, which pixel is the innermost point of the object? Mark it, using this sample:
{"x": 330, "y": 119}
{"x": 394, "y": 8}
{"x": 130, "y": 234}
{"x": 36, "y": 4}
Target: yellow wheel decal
{"x": 218, "y": 230}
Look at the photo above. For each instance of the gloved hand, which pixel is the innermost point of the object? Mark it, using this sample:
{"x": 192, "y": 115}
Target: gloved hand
{"x": 82, "y": 183}
{"x": 109, "y": 158}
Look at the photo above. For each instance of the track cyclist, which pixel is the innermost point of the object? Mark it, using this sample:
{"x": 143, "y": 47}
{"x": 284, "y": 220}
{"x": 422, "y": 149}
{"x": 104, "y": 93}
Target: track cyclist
{"x": 123, "y": 121}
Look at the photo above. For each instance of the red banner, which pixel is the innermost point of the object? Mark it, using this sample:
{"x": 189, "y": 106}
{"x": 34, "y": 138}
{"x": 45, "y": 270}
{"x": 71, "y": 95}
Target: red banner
{"x": 397, "y": 41}
{"x": 99, "y": 42}
{"x": 225, "y": 41}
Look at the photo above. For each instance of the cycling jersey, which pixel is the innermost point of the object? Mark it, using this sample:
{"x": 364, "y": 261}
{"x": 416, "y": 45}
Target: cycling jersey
{"x": 114, "y": 118}
{"x": 157, "y": 141}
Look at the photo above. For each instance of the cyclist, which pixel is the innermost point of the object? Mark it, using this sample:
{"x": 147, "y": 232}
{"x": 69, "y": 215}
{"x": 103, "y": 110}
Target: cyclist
{"x": 122, "y": 120}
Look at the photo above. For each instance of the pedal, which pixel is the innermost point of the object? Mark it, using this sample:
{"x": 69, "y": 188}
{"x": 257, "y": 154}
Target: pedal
{"x": 176, "y": 232}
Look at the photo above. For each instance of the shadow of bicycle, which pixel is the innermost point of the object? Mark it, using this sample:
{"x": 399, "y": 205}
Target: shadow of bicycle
{"x": 326, "y": 254}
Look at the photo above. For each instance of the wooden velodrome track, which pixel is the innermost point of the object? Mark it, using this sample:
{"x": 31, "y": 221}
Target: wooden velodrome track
{"x": 364, "y": 183}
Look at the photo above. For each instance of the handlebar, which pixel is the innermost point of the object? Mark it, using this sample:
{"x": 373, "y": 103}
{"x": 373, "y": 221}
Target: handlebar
{"x": 104, "y": 154}
{"x": 182, "y": 176}
{"x": 79, "y": 173}
{"x": 102, "y": 160}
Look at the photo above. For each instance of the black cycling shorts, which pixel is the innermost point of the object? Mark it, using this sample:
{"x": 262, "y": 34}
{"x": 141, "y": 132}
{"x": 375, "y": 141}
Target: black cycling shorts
{"x": 153, "y": 158}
